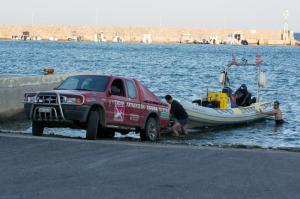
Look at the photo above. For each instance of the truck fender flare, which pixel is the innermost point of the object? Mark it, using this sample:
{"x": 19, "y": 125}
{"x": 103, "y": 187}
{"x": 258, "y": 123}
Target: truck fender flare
{"x": 150, "y": 114}
{"x": 99, "y": 107}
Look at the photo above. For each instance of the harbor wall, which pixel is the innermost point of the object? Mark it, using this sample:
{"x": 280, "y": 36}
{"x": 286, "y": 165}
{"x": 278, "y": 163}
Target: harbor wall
{"x": 135, "y": 34}
{"x": 12, "y": 89}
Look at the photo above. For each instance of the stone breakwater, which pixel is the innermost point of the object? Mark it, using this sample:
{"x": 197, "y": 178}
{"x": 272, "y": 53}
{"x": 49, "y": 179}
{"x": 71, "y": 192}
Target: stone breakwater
{"x": 12, "y": 89}
{"x": 137, "y": 34}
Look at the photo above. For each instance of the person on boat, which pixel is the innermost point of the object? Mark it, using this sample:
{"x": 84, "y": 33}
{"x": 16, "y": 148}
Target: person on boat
{"x": 232, "y": 96}
{"x": 276, "y": 112}
{"x": 233, "y": 101}
{"x": 180, "y": 115}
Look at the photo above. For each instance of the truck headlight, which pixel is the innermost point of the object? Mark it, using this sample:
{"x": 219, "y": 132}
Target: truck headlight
{"x": 30, "y": 98}
{"x": 71, "y": 99}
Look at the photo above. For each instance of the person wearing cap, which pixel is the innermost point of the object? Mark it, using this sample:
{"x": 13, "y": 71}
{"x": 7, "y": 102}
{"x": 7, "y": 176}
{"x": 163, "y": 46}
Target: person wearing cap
{"x": 180, "y": 115}
{"x": 276, "y": 112}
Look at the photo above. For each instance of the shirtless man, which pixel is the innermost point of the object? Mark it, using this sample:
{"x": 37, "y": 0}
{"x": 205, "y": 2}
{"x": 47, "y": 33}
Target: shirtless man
{"x": 276, "y": 112}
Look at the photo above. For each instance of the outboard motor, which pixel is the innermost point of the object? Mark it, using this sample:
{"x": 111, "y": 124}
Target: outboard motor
{"x": 243, "y": 96}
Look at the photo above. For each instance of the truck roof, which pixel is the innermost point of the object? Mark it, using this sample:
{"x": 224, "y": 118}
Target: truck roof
{"x": 145, "y": 94}
{"x": 115, "y": 76}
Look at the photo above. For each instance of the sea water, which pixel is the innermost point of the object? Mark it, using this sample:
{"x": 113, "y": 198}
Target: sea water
{"x": 184, "y": 71}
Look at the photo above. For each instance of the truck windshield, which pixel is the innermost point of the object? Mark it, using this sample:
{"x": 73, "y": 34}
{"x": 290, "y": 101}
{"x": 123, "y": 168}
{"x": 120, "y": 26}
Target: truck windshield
{"x": 87, "y": 83}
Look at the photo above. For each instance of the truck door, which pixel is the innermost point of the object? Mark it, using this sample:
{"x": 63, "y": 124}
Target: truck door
{"x": 115, "y": 108}
{"x": 133, "y": 105}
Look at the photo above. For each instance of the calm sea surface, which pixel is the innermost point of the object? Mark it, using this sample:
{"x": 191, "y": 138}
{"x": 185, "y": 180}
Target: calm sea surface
{"x": 184, "y": 71}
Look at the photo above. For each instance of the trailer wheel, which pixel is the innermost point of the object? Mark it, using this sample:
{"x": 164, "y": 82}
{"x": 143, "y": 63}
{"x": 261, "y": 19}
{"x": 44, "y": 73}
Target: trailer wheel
{"x": 151, "y": 131}
{"x": 93, "y": 125}
{"x": 37, "y": 128}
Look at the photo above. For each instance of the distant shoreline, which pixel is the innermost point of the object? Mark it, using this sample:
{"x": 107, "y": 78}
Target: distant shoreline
{"x": 142, "y": 34}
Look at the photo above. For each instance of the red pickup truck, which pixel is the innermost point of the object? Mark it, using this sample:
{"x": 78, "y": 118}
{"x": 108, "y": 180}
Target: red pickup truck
{"x": 100, "y": 104}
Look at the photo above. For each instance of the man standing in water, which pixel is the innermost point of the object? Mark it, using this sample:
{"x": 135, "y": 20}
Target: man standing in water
{"x": 180, "y": 115}
{"x": 276, "y": 112}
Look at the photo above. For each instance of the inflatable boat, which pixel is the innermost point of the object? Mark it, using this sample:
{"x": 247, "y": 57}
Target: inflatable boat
{"x": 227, "y": 107}
{"x": 200, "y": 116}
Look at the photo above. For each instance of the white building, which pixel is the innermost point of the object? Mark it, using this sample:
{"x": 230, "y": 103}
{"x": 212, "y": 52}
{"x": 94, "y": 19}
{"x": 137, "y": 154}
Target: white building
{"x": 147, "y": 38}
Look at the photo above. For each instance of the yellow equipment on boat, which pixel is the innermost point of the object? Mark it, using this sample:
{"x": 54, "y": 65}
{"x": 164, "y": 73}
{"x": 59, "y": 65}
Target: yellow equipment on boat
{"x": 219, "y": 97}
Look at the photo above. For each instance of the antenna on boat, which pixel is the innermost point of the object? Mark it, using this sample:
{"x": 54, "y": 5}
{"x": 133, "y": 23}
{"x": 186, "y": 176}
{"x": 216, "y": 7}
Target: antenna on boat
{"x": 206, "y": 92}
{"x": 258, "y": 62}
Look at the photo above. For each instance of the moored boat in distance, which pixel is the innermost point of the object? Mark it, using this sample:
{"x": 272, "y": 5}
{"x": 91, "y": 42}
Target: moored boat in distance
{"x": 228, "y": 108}
{"x": 236, "y": 38}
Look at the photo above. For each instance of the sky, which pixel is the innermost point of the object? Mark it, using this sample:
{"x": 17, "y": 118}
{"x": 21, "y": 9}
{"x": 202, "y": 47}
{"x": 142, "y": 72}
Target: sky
{"x": 250, "y": 14}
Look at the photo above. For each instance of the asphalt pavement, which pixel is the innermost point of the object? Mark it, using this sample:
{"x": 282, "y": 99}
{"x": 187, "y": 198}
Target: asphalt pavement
{"x": 51, "y": 167}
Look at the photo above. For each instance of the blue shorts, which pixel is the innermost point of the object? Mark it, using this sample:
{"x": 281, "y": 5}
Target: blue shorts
{"x": 182, "y": 122}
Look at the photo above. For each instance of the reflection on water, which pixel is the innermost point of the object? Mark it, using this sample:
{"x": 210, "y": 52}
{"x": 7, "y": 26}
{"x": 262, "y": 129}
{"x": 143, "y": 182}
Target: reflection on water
{"x": 184, "y": 71}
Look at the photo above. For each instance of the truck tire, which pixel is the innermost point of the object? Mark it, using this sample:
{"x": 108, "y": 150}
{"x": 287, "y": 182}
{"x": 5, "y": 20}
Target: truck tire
{"x": 151, "y": 131}
{"x": 93, "y": 125}
{"x": 37, "y": 128}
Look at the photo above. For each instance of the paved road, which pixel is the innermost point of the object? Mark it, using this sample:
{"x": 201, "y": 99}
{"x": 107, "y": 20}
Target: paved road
{"x": 50, "y": 168}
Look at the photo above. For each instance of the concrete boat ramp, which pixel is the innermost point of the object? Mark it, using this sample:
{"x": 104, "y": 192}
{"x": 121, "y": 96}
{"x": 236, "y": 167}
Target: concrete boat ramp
{"x": 51, "y": 167}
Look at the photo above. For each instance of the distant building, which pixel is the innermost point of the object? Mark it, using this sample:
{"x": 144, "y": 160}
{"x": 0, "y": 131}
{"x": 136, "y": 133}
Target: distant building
{"x": 214, "y": 39}
{"x": 236, "y": 38}
{"x": 100, "y": 37}
{"x": 118, "y": 39}
{"x": 147, "y": 38}
{"x": 25, "y": 35}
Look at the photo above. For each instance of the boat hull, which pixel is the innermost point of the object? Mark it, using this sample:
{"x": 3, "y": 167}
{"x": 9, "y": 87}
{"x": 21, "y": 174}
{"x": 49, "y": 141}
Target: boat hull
{"x": 200, "y": 116}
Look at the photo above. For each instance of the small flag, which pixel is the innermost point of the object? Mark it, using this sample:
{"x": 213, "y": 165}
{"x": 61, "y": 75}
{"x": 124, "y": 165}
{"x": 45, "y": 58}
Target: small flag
{"x": 233, "y": 61}
{"x": 258, "y": 60}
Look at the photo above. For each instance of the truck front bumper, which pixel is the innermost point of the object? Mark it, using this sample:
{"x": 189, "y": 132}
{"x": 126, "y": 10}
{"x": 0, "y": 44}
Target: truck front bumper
{"x": 57, "y": 113}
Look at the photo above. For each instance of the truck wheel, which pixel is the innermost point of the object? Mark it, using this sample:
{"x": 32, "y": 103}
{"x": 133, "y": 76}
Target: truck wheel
{"x": 37, "y": 128}
{"x": 151, "y": 131}
{"x": 93, "y": 124}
